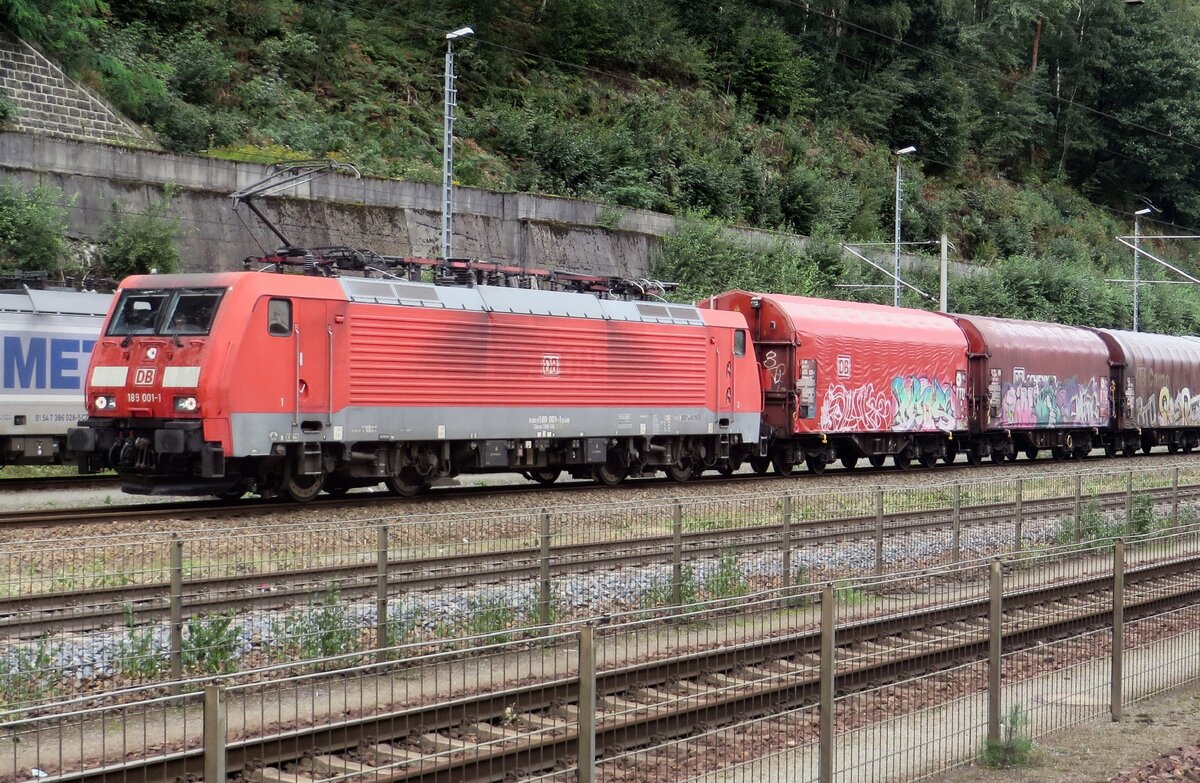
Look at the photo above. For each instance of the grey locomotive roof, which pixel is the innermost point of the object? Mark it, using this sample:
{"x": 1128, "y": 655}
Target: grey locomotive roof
{"x": 498, "y": 299}
{"x": 58, "y": 302}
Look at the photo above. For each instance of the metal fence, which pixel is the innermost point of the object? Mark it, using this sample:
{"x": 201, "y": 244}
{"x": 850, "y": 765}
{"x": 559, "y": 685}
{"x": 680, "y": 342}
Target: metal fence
{"x": 119, "y": 611}
{"x": 890, "y": 677}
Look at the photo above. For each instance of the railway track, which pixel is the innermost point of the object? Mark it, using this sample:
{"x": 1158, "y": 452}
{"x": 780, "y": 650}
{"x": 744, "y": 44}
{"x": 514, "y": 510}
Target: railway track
{"x": 41, "y": 483}
{"x": 504, "y": 730}
{"x": 31, "y": 616}
{"x": 213, "y": 508}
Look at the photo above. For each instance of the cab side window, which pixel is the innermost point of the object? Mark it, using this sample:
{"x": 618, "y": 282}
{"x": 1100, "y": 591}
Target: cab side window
{"x": 739, "y": 342}
{"x": 279, "y": 317}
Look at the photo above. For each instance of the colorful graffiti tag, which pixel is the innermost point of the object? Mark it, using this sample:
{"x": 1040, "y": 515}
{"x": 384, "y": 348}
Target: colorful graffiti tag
{"x": 862, "y": 408}
{"x": 1165, "y": 409}
{"x": 1045, "y": 401}
{"x": 909, "y": 404}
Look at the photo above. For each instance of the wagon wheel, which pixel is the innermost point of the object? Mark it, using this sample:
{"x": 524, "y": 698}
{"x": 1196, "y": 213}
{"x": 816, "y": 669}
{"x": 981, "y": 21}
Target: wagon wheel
{"x": 998, "y": 456}
{"x": 728, "y": 468}
{"x": 1058, "y": 453}
{"x": 1147, "y": 447}
{"x": 974, "y": 455}
{"x": 876, "y": 460}
{"x": 902, "y": 460}
{"x": 545, "y": 476}
{"x": 816, "y": 465}
{"x": 1110, "y": 448}
{"x": 407, "y": 484}
{"x": 1188, "y": 446}
{"x": 928, "y": 459}
{"x": 1129, "y": 449}
{"x": 300, "y": 488}
{"x": 849, "y": 461}
{"x": 680, "y": 473}
{"x": 1172, "y": 448}
{"x": 1031, "y": 453}
{"x": 760, "y": 465}
{"x": 783, "y": 466}
{"x": 951, "y": 453}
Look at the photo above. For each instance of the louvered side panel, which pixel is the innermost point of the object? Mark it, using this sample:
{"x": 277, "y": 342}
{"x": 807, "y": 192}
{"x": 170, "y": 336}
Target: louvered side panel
{"x": 403, "y": 356}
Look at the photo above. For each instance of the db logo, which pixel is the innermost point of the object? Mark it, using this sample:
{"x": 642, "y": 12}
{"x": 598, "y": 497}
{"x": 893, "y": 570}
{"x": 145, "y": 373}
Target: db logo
{"x": 843, "y": 366}
{"x": 143, "y": 376}
{"x": 549, "y": 364}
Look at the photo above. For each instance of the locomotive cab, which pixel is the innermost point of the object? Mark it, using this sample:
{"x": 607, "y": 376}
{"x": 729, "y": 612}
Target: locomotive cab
{"x": 143, "y": 396}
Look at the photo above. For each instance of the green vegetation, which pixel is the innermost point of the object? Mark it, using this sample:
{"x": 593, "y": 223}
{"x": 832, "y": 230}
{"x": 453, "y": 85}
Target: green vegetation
{"x": 26, "y": 675}
{"x": 1144, "y": 519}
{"x": 779, "y": 116}
{"x": 324, "y": 629}
{"x": 137, "y": 243}
{"x": 210, "y": 644}
{"x": 1014, "y": 747}
{"x": 727, "y": 579}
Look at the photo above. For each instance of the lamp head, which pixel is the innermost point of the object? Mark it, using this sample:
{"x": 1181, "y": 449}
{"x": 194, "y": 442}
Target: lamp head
{"x": 906, "y": 151}
{"x": 461, "y": 32}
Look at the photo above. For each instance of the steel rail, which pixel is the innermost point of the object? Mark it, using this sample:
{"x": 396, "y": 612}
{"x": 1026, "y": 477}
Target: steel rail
{"x": 749, "y": 697}
{"x": 104, "y": 606}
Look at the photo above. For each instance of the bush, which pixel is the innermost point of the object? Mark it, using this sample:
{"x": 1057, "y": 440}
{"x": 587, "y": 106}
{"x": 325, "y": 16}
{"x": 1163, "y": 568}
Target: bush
{"x": 210, "y": 645}
{"x": 8, "y": 111}
{"x": 1014, "y": 746}
{"x": 32, "y": 224}
{"x": 140, "y": 243}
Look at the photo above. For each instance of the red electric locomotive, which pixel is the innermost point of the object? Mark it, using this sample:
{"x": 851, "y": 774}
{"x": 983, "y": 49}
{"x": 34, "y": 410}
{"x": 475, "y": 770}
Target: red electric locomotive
{"x": 222, "y": 384}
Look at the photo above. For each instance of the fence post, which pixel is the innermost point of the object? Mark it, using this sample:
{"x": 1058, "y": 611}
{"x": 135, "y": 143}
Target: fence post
{"x": 956, "y": 520}
{"x": 381, "y": 593}
{"x": 1175, "y": 496}
{"x": 677, "y": 554}
{"x": 544, "y": 575}
{"x": 587, "y": 705}
{"x": 879, "y": 531}
{"x": 1129, "y": 503}
{"x": 1078, "y": 507}
{"x": 1118, "y": 628}
{"x": 995, "y": 648}
{"x": 215, "y": 723}
{"x": 176, "y": 613}
{"x": 1020, "y": 520}
{"x": 827, "y": 684}
{"x": 787, "y": 541}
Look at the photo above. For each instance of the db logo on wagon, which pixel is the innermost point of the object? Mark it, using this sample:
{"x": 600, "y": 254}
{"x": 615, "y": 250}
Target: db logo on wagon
{"x": 143, "y": 376}
{"x": 549, "y": 364}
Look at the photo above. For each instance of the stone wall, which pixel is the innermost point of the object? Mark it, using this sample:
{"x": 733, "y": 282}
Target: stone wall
{"x": 47, "y": 101}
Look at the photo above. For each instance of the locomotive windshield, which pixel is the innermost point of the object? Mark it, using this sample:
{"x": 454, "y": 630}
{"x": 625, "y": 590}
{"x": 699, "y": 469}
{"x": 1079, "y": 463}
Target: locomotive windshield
{"x": 161, "y": 311}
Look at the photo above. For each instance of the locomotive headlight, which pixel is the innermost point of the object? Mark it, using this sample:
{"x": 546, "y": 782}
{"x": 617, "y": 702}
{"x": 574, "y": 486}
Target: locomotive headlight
{"x": 185, "y": 404}
{"x": 105, "y": 402}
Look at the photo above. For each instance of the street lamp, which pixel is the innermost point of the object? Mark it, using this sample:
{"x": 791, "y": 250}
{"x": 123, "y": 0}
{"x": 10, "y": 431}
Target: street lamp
{"x": 896, "y": 279}
{"x": 1137, "y": 258}
{"x": 448, "y": 145}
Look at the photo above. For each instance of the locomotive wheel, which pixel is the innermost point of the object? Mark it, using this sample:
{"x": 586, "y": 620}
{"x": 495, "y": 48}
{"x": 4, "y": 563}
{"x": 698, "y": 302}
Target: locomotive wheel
{"x": 680, "y": 473}
{"x": 760, "y": 465}
{"x": 928, "y": 459}
{"x": 545, "y": 476}
{"x": 301, "y": 489}
{"x": 849, "y": 461}
{"x": 1031, "y": 453}
{"x": 407, "y": 484}
{"x": 876, "y": 460}
{"x": 608, "y": 476}
{"x": 783, "y": 466}
{"x": 234, "y": 493}
{"x": 336, "y": 490}
{"x": 816, "y": 465}
{"x": 727, "y": 468}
